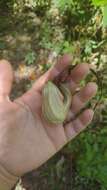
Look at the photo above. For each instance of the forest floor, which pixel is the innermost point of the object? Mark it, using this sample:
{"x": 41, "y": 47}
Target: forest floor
{"x": 30, "y": 43}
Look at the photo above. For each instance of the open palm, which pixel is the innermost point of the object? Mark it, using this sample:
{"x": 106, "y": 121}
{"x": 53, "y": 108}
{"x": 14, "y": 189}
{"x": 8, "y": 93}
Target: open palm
{"x": 27, "y": 140}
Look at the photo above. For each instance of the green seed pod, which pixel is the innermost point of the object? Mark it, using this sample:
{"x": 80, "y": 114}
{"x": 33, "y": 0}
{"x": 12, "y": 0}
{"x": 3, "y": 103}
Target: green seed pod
{"x": 56, "y": 102}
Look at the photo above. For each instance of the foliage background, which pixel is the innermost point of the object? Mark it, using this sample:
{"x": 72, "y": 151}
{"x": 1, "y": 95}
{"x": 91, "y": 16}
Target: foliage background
{"x": 33, "y": 33}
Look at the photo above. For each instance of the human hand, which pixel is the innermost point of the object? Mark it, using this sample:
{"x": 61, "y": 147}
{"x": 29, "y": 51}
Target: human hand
{"x": 26, "y": 139}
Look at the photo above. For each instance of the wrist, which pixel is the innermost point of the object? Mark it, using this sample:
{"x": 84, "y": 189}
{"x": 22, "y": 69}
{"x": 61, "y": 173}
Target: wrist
{"x": 7, "y": 180}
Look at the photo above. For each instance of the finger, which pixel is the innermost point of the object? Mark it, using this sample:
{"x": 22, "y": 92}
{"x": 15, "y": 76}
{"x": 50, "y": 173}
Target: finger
{"x": 78, "y": 74}
{"x": 74, "y": 128}
{"x": 6, "y": 78}
{"x": 53, "y": 72}
{"x": 81, "y": 98}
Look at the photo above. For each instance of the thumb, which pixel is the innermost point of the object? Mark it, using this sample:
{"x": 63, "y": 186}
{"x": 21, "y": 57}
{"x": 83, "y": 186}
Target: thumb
{"x": 6, "y": 78}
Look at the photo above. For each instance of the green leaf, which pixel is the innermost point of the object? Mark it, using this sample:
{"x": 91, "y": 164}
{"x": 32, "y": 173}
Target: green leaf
{"x": 2, "y": 45}
{"x": 30, "y": 58}
{"x": 102, "y": 174}
{"x": 63, "y": 3}
{"x": 99, "y": 2}
{"x": 105, "y": 16}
